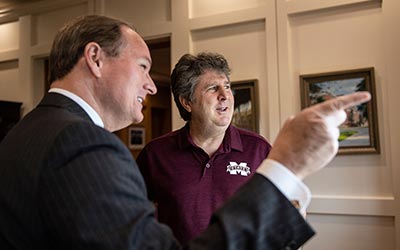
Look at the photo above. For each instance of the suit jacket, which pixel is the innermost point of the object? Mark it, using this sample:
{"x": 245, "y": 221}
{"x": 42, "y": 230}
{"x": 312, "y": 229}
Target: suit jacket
{"x": 66, "y": 183}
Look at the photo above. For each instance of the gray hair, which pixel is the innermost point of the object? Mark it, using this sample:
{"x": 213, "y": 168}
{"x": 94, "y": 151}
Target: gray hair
{"x": 186, "y": 74}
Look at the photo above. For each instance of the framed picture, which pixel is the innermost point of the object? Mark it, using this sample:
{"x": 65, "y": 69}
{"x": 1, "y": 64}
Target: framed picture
{"x": 359, "y": 133}
{"x": 137, "y": 138}
{"x": 245, "y": 114}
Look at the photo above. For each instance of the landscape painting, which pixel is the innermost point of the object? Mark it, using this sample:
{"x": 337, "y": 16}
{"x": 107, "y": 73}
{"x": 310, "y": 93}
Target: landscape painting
{"x": 359, "y": 133}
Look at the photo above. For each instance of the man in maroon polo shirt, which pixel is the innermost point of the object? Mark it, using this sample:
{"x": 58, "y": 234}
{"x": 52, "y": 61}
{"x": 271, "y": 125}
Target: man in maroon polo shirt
{"x": 192, "y": 171}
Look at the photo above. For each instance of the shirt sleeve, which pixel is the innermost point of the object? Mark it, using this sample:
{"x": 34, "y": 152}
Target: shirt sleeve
{"x": 287, "y": 182}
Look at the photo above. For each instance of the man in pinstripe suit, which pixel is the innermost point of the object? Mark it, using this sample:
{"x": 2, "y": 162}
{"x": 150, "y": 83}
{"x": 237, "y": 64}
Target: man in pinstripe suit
{"x": 66, "y": 182}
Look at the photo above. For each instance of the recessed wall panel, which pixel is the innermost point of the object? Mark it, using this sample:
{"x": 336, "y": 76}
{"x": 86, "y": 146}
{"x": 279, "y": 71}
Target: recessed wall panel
{"x": 45, "y": 25}
{"x": 352, "y": 179}
{"x": 140, "y": 13}
{"x": 9, "y": 74}
{"x": 334, "y": 40}
{"x": 9, "y": 36}
{"x": 351, "y": 232}
{"x": 242, "y": 44}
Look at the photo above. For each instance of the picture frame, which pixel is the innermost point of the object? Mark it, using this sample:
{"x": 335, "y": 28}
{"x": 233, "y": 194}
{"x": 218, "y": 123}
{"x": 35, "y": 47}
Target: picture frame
{"x": 137, "y": 137}
{"x": 245, "y": 114}
{"x": 359, "y": 134}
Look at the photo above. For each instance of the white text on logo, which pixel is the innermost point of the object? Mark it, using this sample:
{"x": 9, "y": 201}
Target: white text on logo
{"x": 235, "y": 169}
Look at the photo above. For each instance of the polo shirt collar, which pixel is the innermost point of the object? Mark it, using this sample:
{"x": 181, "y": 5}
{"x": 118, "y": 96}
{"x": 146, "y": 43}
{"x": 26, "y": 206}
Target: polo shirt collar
{"x": 232, "y": 139}
{"x": 184, "y": 138}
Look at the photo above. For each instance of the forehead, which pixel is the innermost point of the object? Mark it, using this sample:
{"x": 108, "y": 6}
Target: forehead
{"x": 212, "y": 77}
{"x": 135, "y": 44}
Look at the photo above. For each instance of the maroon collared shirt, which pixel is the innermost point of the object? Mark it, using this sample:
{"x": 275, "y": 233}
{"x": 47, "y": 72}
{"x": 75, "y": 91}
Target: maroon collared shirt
{"x": 188, "y": 185}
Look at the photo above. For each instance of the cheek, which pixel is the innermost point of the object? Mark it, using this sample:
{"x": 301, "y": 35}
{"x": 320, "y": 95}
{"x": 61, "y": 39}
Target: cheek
{"x": 232, "y": 102}
{"x": 231, "y": 98}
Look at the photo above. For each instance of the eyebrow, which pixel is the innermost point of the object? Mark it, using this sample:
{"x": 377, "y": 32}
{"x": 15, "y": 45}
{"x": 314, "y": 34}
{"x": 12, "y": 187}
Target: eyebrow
{"x": 216, "y": 83}
{"x": 147, "y": 59}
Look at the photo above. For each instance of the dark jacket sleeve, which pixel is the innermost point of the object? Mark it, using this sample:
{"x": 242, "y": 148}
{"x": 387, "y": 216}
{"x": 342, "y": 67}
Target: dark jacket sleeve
{"x": 258, "y": 216}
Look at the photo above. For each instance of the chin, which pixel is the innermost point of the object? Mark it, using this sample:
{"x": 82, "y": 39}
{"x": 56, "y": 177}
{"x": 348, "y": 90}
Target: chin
{"x": 224, "y": 124}
{"x": 138, "y": 118}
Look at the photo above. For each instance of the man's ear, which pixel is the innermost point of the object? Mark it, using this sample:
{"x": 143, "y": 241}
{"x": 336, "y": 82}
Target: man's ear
{"x": 185, "y": 103}
{"x": 93, "y": 56}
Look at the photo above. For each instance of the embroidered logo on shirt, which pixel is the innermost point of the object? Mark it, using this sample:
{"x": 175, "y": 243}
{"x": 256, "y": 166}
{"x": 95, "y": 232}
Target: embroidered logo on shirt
{"x": 234, "y": 169}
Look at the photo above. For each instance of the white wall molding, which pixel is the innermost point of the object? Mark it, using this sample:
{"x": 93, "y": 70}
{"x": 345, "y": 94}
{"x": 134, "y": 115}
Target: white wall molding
{"x": 40, "y": 50}
{"x": 302, "y": 6}
{"x": 155, "y": 30}
{"x": 373, "y": 206}
{"x": 229, "y": 18}
{"x": 9, "y": 55}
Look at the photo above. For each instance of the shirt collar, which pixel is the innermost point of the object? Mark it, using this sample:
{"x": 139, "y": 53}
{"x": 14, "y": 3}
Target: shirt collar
{"x": 184, "y": 138}
{"x": 84, "y": 105}
{"x": 232, "y": 136}
{"x": 232, "y": 139}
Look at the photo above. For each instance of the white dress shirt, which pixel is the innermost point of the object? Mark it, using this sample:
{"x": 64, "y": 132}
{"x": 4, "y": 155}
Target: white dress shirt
{"x": 287, "y": 182}
{"x": 88, "y": 109}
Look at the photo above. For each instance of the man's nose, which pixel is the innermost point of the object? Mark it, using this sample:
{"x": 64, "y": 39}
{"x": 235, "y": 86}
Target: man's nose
{"x": 223, "y": 94}
{"x": 150, "y": 86}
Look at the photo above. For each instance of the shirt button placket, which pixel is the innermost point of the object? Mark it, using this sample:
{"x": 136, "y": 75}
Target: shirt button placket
{"x": 208, "y": 165}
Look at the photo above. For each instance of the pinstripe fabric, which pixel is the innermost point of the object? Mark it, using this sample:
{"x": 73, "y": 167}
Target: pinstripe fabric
{"x": 278, "y": 226}
{"x": 68, "y": 184}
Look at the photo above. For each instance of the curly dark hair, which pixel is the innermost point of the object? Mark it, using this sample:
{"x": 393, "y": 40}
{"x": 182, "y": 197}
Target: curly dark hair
{"x": 185, "y": 76}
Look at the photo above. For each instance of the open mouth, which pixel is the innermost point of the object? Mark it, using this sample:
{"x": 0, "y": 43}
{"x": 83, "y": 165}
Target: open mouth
{"x": 222, "y": 109}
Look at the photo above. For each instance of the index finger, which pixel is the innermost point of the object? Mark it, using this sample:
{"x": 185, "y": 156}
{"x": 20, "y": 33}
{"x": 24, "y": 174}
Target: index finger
{"x": 342, "y": 102}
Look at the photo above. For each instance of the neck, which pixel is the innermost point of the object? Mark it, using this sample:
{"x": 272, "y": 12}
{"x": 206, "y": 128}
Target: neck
{"x": 209, "y": 139}
{"x": 85, "y": 92}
